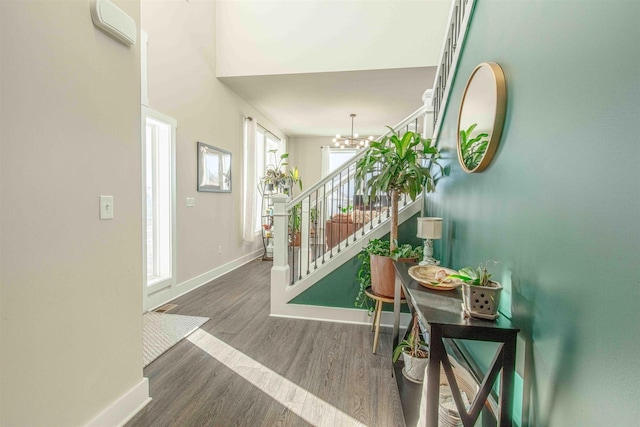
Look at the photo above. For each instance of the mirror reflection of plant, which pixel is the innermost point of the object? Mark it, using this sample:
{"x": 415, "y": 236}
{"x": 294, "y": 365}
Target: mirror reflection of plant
{"x": 382, "y": 248}
{"x": 472, "y": 149}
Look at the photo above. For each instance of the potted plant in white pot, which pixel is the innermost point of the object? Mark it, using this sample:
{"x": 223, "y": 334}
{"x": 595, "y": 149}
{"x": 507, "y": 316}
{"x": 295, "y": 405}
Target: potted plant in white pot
{"x": 480, "y": 294}
{"x": 415, "y": 353}
{"x": 395, "y": 165}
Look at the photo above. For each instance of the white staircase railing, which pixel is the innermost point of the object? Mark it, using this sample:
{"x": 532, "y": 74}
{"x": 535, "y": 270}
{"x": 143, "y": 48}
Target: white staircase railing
{"x": 459, "y": 19}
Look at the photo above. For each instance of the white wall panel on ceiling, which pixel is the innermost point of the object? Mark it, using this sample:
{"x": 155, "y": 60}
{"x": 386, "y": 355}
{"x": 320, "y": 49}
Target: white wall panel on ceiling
{"x": 283, "y": 37}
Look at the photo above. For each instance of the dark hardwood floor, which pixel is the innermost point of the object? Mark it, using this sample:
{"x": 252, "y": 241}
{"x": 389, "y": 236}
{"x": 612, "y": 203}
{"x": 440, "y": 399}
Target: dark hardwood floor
{"x": 244, "y": 368}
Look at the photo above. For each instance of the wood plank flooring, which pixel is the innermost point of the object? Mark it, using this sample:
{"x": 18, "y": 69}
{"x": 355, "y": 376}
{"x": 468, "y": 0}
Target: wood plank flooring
{"x": 244, "y": 368}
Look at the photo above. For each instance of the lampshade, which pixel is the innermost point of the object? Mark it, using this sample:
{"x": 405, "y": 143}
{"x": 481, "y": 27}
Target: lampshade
{"x": 429, "y": 228}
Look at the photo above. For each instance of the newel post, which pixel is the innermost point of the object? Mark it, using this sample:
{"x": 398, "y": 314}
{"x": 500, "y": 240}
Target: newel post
{"x": 280, "y": 273}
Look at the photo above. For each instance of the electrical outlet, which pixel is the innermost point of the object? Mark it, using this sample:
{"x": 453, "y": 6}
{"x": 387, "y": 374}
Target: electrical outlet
{"x": 191, "y": 202}
{"x": 219, "y": 249}
{"x": 106, "y": 207}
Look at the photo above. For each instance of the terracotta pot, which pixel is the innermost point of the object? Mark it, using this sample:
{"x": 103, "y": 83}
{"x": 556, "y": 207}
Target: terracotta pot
{"x": 383, "y": 275}
{"x": 297, "y": 238}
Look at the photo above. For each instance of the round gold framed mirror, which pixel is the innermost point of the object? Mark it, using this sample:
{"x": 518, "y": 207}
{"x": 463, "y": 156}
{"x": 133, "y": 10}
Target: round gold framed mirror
{"x": 481, "y": 117}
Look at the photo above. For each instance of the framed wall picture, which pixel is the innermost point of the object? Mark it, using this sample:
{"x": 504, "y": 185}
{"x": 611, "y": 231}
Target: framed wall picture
{"x": 214, "y": 169}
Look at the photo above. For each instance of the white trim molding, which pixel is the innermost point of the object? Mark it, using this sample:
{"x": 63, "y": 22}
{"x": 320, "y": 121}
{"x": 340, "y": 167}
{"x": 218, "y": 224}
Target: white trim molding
{"x": 210, "y": 275}
{"x": 123, "y": 408}
{"x": 338, "y": 315}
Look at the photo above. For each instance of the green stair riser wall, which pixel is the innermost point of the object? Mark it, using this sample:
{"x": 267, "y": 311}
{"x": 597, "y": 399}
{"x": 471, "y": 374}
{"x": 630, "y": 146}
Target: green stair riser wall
{"x": 340, "y": 288}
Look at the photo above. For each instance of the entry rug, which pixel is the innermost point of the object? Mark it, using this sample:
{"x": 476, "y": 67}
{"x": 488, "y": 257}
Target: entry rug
{"x": 162, "y": 331}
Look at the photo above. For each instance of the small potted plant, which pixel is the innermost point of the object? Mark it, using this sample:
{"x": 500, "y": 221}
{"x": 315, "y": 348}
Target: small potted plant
{"x": 415, "y": 353}
{"x": 480, "y": 294}
{"x": 278, "y": 176}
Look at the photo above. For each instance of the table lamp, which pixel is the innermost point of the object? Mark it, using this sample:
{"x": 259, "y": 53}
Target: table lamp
{"x": 429, "y": 229}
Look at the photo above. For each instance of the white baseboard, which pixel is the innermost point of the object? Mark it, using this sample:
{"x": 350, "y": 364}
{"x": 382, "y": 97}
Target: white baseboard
{"x": 337, "y": 314}
{"x": 203, "y": 279}
{"x": 123, "y": 408}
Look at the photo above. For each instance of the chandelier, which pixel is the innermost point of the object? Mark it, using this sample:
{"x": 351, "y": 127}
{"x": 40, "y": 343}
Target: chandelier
{"x": 353, "y": 141}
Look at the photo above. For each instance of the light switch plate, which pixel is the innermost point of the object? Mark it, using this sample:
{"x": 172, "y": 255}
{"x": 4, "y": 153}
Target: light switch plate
{"x": 191, "y": 202}
{"x": 106, "y": 207}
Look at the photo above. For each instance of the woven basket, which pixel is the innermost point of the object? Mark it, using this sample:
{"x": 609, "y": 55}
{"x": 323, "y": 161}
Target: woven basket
{"x": 447, "y": 412}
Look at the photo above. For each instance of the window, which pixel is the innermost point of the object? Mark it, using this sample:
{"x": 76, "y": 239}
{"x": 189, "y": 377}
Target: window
{"x": 268, "y": 150}
{"x": 256, "y": 156}
{"x": 158, "y": 177}
{"x": 336, "y": 157}
{"x": 343, "y": 191}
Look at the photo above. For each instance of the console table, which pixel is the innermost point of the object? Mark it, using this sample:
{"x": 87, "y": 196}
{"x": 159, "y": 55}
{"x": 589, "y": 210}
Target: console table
{"x": 440, "y": 314}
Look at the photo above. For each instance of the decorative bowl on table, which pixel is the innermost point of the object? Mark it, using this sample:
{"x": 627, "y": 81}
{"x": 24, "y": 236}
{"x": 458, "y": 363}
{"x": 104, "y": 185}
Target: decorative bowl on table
{"x": 434, "y": 277}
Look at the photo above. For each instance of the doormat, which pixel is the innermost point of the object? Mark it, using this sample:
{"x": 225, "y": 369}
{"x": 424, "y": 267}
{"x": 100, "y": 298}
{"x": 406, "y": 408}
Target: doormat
{"x": 162, "y": 331}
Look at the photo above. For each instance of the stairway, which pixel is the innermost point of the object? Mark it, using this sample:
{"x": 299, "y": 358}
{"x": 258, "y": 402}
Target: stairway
{"x": 331, "y": 221}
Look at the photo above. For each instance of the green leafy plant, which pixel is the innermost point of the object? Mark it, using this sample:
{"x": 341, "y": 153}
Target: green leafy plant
{"x": 347, "y": 209}
{"x": 295, "y": 218}
{"x": 479, "y": 276}
{"x": 407, "y": 251}
{"x": 472, "y": 149}
{"x": 414, "y": 344}
{"x": 278, "y": 174}
{"x": 398, "y": 165}
{"x": 382, "y": 248}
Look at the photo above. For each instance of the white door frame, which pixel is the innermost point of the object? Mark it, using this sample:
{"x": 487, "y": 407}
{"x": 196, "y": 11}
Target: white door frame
{"x": 161, "y": 292}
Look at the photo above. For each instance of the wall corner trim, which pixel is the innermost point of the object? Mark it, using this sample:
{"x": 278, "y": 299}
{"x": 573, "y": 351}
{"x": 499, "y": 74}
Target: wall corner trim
{"x": 124, "y": 407}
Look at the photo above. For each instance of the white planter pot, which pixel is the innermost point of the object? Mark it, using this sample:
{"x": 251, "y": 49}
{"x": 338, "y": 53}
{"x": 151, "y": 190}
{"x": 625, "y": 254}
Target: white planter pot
{"x": 482, "y": 301}
{"x": 414, "y": 367}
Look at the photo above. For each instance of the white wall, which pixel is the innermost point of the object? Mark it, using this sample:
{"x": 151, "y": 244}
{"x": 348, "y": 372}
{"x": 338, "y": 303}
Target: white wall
{"x": 71, "y": 329}
{"x": 306, "y": 154}
{"x": 271, "y": 37}
{"x": 183, "y": 85}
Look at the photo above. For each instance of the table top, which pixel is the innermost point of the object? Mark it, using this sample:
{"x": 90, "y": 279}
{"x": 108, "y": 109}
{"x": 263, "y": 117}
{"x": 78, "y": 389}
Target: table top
{"x": 444, "y": 307}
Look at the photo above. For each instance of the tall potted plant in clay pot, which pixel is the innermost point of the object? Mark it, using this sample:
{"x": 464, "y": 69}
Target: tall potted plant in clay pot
{"x": 394, "y": 166}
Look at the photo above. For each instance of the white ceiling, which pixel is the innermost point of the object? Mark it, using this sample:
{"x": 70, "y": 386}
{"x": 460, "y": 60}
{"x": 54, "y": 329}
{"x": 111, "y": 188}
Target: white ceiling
{"x": 319, "y": 104}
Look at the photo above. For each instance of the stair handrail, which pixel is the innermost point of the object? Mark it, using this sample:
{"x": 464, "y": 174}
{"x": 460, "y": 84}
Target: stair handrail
{"x": 459, "y": 20}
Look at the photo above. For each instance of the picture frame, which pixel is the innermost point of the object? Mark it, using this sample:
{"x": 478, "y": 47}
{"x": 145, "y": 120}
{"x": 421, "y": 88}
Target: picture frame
{"x": 214, "y": 169}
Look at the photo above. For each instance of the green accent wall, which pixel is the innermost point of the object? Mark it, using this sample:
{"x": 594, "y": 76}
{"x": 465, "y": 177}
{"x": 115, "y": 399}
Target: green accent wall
{"x": 559, "y": 207}
{"x": 340, "y": 287}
